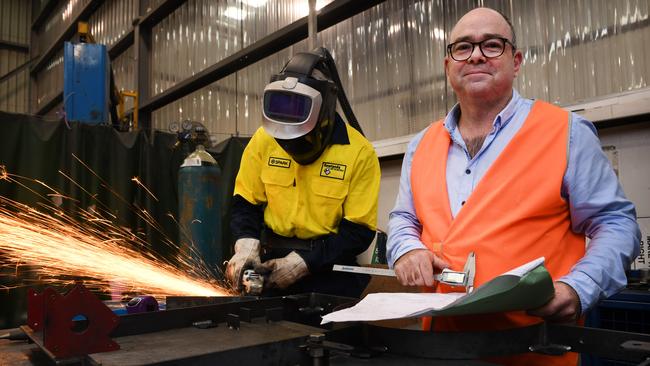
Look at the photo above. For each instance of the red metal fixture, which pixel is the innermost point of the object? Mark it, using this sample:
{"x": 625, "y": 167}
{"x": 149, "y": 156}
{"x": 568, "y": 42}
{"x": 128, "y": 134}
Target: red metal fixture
{"x": 75, "y": 324}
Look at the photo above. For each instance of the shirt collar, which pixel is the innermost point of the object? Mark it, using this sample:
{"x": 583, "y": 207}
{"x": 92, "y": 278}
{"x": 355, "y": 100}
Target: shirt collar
{"x": 340, "y": 133}
{"x": 506, "y": 114}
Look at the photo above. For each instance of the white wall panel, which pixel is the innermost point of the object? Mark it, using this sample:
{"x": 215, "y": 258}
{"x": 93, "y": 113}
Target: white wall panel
{"x": 632, "y": 144}
{"x": 58, "y": 20}
{"x": 112, "y": 20}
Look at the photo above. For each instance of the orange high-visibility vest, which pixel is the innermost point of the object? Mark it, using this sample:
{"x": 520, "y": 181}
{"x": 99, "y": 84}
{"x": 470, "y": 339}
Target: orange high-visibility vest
{"x": 514, "y": 215}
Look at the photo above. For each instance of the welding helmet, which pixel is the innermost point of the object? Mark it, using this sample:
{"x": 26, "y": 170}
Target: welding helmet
{"x": 299, "y": 105}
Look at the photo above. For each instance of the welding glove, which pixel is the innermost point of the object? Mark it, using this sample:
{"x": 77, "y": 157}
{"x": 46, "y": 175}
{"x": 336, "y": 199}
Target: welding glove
{"x": 285, "y": 271}
{"x": 247, "y": 256}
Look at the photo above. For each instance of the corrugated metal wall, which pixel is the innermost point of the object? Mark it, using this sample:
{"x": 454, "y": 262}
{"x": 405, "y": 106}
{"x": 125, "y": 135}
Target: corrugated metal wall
{"x": 390, "y": 57}
{"x": 14, "y": 28}
{"x": 49, "y": 80}
{"x": 112, "y": 20}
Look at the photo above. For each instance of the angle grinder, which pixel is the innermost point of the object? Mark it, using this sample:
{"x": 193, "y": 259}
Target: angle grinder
{"x": 252, "y": 283}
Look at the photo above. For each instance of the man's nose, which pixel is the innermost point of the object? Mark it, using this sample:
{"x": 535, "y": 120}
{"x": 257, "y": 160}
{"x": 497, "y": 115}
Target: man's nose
{"x": 477, "y": 55}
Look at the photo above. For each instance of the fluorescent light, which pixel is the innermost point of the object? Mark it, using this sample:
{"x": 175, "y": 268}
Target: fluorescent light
{"x": 235, "y": 13}
{"x": 255, "y": 3}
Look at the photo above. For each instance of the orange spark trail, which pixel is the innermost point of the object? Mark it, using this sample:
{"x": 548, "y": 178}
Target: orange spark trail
{"x": 55, "y": 247}
{"x": 137, "y": 181}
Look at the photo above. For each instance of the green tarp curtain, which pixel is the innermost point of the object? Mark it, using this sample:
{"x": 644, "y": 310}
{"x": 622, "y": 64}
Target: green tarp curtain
{"x": 43, "y": 150}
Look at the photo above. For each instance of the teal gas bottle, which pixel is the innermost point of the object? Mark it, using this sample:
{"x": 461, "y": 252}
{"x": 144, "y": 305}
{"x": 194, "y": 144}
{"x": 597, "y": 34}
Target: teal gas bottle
{"x": 199, "y": 198}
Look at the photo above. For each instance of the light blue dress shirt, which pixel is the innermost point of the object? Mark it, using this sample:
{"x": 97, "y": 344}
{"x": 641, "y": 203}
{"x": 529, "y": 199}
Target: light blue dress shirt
{"x": 598, "y": 206}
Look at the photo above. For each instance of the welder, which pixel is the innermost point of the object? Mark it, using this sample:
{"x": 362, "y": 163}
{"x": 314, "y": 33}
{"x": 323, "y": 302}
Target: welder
{"x": 306, "y": 192}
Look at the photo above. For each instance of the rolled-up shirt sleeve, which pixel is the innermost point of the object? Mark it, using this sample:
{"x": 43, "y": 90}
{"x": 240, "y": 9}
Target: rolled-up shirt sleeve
{"x": 404, "y": 228}
{"x": 600, "y": 210}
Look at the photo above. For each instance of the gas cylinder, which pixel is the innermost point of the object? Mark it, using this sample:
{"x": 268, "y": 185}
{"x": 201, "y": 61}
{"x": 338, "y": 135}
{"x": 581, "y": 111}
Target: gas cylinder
{"x": 199, "y": 198}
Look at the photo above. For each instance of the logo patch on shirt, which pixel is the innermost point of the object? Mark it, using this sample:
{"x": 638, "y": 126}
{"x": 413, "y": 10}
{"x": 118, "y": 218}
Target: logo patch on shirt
{"x": 279, "y": 162}
{"x": 332, "y": 170}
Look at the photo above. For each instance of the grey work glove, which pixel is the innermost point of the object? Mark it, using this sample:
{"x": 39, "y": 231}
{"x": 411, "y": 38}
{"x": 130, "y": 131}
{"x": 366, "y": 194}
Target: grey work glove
{"x": 247, "y": 256}
{"x": 284, "y": 271}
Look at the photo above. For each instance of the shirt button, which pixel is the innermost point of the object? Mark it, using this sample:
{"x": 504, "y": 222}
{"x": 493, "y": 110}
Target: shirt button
{"x": 468, "y": 171}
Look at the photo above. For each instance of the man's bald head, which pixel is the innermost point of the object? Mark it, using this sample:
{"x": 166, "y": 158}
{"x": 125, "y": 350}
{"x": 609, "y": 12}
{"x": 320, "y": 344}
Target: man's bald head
{"x": 484, "y": 11}
{"x": 479, "y": 78}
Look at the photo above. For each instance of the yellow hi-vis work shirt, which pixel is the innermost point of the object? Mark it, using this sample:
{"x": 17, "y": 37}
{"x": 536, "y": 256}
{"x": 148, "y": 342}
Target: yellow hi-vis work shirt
{"x": 309, "y": 201}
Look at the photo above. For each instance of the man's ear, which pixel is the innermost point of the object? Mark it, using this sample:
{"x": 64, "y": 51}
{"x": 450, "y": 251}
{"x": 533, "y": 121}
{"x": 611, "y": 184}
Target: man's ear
{"x": 518, "y": 58}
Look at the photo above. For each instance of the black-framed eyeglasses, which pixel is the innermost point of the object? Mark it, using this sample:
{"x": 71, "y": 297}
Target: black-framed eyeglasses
{"x": 490, "y": 48}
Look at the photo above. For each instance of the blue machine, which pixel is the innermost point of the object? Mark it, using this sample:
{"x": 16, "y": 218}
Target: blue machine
{"x": 86, "y": 81}
{"x": 199, "y": 196}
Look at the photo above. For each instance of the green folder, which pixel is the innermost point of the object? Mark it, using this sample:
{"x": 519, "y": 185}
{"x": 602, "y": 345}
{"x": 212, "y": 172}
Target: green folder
{"x": 505, "y": 293}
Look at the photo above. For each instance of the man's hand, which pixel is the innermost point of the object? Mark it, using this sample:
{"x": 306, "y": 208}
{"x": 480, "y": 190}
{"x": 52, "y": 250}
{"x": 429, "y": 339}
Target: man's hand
{"x": 564, "y": 307}
{"x": 247, "y": 255}
{"x": 416, "y": 267}
{"x": 284, "y": 271}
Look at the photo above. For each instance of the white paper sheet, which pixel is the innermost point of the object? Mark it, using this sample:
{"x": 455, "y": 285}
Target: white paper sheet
{"x": 382, "y": 306}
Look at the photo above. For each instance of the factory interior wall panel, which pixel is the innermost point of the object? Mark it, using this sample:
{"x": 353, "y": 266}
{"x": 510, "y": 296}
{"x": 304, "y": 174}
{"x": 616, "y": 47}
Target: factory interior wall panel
{"x": 152, "y": 4}
{"x": 631, "y": 145}
{"x": 56, "y": 113}
{"x": 426, "y": 42}
{"x": 124, "y": 70}
{"x": 14, "y": 30}
{"x": 112, "y": 20}
{"x": 13, "y": 89}
{"x": 15, "y": 21}
{"x": 201, "y": 33}
{"x": 390, "y": 57}
{"x": 260, "y": 18}
{"x": 390, "y": 68}
{"x": 532, "y": 41}
{"x": 372, "y": 58}
{"x": 14, "y": 94}
{"x": 214, "y": 106}
{"x": 196, "y": 35}
{"x": 39, "y": 5}
{"x": 56, "y": 23}
{"x": 49, "y": 81}
{"x": 628, "y": 148}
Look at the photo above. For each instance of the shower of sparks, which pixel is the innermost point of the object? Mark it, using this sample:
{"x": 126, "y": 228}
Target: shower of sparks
{"x": 59, "y": 250}
{"x": 137, "y": 181}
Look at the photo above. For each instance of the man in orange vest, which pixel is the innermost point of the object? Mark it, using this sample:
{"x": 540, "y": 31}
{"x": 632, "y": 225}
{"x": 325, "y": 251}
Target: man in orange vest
{"x": 510, "y": 179}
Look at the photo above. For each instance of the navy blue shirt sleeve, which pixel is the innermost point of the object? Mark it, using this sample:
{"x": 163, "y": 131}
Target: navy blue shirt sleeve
{"x": 340, "y": 248}
{"x": 246, "y": 218}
